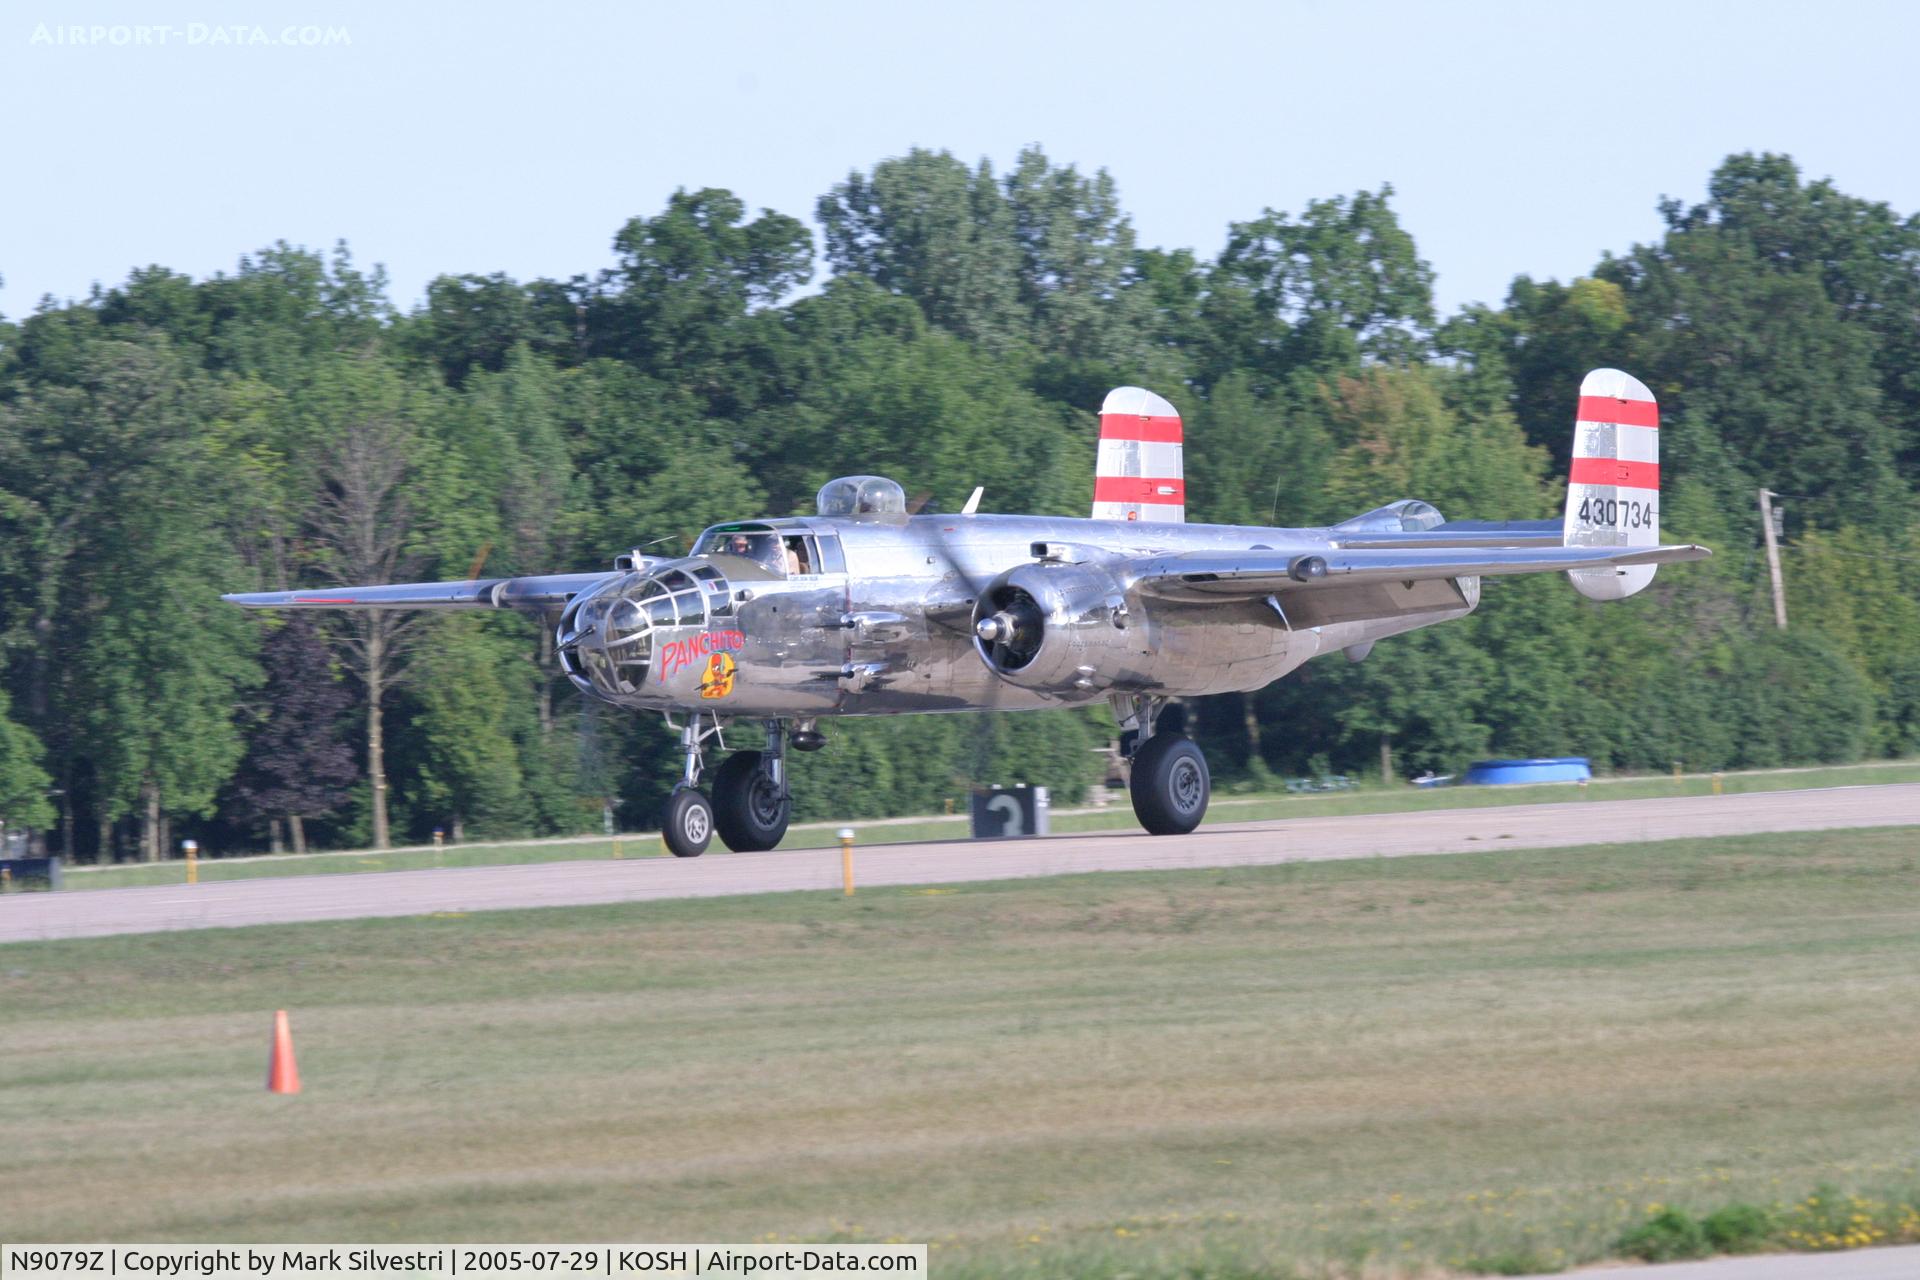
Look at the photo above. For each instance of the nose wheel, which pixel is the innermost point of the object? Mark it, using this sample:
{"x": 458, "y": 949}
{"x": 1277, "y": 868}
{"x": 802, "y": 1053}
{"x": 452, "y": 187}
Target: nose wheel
{"x": 687, "y": 824}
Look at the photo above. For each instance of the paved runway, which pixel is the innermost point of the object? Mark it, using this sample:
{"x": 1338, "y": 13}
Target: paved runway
{"x": 1863, "y": 1264}
{"x": 227, "y": 903}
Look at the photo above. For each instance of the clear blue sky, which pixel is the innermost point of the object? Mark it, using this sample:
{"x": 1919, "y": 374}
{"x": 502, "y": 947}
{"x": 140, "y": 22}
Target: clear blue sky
{"x": 487, "y": 136}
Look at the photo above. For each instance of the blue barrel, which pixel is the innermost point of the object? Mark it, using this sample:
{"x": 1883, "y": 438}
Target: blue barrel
{"x": 1499, "y": 773}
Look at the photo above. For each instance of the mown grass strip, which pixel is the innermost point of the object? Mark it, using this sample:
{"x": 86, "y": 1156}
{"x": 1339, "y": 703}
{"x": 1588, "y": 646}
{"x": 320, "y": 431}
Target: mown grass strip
{"x": 1360, "y": 1069}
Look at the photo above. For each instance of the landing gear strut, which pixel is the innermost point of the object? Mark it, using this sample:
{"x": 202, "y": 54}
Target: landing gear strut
{"x": 750, "y": 805}
{"x": 1168, "y": 779}
{"x": 687, "y": 823}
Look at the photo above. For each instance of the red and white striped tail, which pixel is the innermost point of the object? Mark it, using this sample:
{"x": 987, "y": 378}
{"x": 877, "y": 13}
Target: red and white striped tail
{"x": 1139, "y": 474}
{"x": 1613, "y": 493}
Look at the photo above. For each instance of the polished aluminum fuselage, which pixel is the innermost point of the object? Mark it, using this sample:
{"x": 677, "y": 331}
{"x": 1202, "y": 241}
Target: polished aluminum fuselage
{"x": 894, "y": 631}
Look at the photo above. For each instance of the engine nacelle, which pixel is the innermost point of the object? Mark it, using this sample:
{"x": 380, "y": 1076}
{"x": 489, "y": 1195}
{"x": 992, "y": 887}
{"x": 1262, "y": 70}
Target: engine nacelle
{"x": 1057, "y": 628}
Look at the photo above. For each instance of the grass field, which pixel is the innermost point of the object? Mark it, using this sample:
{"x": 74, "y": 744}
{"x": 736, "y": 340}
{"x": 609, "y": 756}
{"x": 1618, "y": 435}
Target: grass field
{"x": 1399, "y": 1067}
{"x": 1226, "y": 808}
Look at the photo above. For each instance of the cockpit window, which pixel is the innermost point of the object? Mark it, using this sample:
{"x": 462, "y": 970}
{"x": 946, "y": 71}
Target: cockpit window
{"x": 760, "y": 546}
{"x": 781, "y": 550}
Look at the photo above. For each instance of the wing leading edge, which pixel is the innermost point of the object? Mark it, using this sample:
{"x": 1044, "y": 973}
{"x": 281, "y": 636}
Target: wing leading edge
{"x": 541, "y": 592}
{"x": 1213, "y": 575}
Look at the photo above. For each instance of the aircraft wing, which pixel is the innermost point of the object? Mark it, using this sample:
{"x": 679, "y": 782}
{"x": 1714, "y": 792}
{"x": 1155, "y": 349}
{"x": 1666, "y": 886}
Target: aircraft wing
{"x": 1213, "y": 575}
{"x": 547, "y": 591}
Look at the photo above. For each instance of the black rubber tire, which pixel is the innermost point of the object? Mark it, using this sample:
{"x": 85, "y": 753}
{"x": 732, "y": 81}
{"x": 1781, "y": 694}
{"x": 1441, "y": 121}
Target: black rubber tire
{"x": 687, "y": 823}
{"x": 1170, "y": 785}
{"x": 746, "y": 812}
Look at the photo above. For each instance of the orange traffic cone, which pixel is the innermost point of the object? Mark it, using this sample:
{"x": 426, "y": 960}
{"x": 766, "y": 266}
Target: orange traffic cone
{"x": 282, "y": 1075}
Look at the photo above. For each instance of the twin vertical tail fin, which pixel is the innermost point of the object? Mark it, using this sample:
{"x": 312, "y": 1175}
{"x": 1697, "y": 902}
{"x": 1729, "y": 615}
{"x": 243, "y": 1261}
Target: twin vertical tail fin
{"x": 1613, "y": 493}
{"x": 1140, "y": 474}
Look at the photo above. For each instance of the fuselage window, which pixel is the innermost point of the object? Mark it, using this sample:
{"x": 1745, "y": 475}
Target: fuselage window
{"x": 830, "y": 560}
{"x": 801, "y": 558}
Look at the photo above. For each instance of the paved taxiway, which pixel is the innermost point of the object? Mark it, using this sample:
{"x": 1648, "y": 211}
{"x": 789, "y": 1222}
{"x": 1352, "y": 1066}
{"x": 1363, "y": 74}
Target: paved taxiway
{"x": 286, "y": 899}
{"x": 1864, "y": 1264}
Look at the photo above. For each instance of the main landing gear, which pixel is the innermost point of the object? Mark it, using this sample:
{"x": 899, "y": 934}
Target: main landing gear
{"x": 751, "y": 804}
{"x": 1168, "y": 779}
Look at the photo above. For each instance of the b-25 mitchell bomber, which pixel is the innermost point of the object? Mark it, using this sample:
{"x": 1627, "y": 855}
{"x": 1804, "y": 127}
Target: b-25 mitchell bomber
{"x": 866, "y": 609}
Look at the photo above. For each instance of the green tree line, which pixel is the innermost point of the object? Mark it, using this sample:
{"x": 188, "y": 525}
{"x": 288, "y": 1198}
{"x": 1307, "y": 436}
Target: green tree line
{"x": 284, "y": 425}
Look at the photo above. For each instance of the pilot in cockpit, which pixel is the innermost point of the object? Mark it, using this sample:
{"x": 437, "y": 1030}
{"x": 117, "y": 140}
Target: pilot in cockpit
{"x": 760, "y": 547}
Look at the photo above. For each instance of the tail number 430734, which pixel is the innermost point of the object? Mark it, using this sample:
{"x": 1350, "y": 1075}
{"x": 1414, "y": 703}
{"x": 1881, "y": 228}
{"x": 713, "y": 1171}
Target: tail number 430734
{"x": 1617, "y": 513}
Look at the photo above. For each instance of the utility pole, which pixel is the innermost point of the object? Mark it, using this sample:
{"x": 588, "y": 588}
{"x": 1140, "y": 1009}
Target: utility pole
{"x": 1773, "y": 559}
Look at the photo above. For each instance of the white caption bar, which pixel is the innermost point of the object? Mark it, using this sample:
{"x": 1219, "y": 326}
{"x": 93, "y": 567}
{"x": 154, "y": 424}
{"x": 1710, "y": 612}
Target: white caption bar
{"x": 452, "y": 1261}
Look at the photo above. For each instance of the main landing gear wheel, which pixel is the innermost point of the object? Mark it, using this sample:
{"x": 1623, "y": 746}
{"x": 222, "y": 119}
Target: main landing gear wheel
{"x": 748, "y": 809}
{"x": 1170, "y": 785}
{"x": 687, "y": 825}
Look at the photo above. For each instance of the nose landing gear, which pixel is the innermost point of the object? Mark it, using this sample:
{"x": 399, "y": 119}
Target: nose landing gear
{"x": 751, "y": 805}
